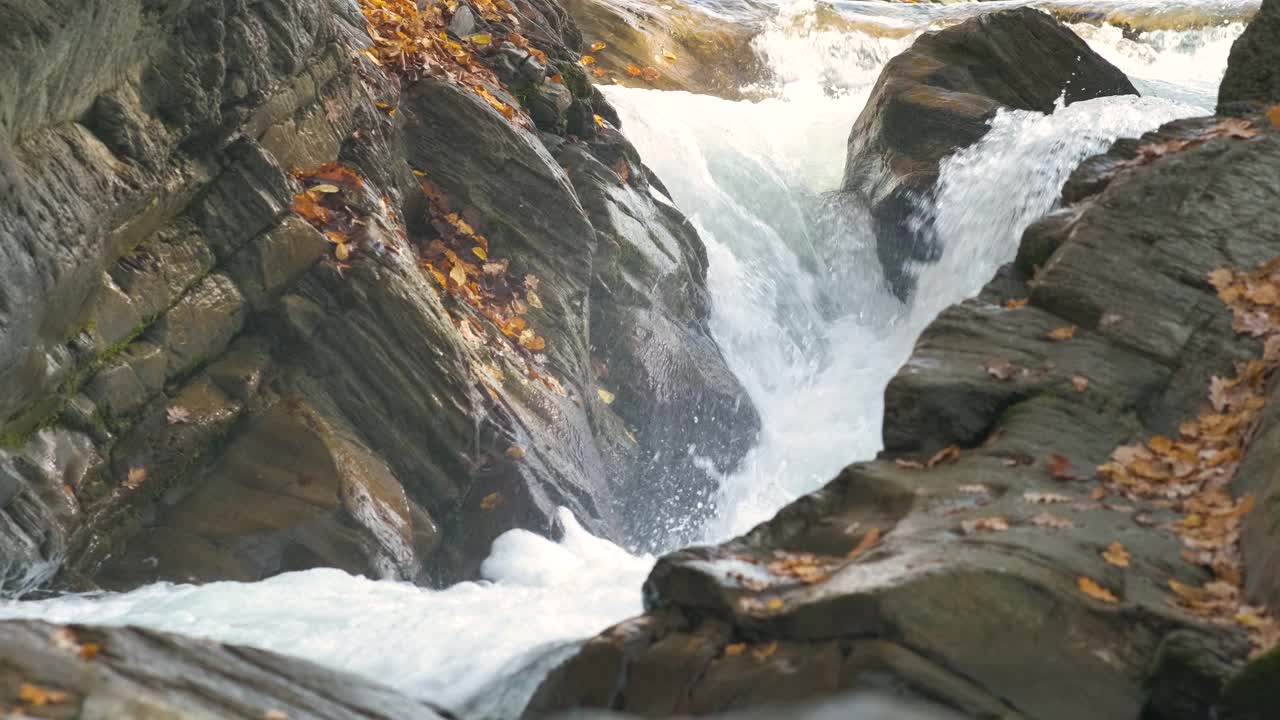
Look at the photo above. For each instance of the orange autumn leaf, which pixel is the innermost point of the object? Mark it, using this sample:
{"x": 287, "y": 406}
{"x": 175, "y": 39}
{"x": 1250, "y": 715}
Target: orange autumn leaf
{"x": 39, "y": 696}
{"x": 1065, "y": 332}
{"x": 1015, "y": 303}
{"x": 946, "y": 455}
{"x": 515, "y": 452}
{"x": 587, "y": 60}
{"x": 491, "y": 501}
{"x": 868, "y": 541}
{"x": 1116, "y": 555}
{"x": 650, "y": 74}
{"x": 598, "y": 46}
{"x": 1094, "y": 590}
{"x": 634, "y": 70}
{"x": 984, "y": 524}
{"x": 734, "y": 649}
{"x": 1273, "y": 114}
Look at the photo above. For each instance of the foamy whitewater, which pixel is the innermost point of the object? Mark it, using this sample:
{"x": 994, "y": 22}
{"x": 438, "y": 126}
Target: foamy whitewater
{"x": 800, "y": 312}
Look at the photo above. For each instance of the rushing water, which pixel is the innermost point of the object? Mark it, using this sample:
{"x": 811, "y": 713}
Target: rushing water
{"x": 799, "y": 310}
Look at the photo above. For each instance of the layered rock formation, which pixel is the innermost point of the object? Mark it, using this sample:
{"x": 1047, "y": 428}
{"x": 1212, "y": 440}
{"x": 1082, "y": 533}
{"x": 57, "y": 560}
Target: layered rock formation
{"x": 201, "y": 384}
{"x": 984, "y": 561}
{"x": 938, "y": 97}
{"x": 93, "y": 673}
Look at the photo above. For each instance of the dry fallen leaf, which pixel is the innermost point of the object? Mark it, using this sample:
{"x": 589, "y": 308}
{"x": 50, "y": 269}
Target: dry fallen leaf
{"x": 598, "y": 46}
{"x": 908, "y": 464}
{"x": 38, "y": 696}
{"x": 1095, "y": 591}
{"x": 989, "y": 524}
{"x": 1001, "y": 369}
{"x": 137, "y": 476}
{"x": 868, "y": 541}
{"x": 1116, "y": 555}
{"x": 1066, "y": 332}
{"x": 1050, "y": 520}
{"x": 1080, "y": 383}
{"x": 1062, "y": 469}
{"x": 515, "y": 452}
{"x": 734, "y": 649}
{"x": 762, "y": 652}
{"x": 1273, "y": 114}
{"x": 491, "y": 501}
{"x": 946, "y": 455}
{"x": 588, "y": 60}
{"x": 605, "y": 396}
{"x": 1043, "y": 498}
{"x": 1015, "y": 303}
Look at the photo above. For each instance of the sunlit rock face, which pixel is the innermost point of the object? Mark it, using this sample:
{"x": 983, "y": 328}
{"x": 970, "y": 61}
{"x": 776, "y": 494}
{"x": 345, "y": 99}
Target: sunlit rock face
{"x": 209, "y": 378}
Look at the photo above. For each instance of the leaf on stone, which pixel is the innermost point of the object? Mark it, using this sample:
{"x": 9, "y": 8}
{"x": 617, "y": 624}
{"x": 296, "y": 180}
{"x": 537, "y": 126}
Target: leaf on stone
{"x": 39, "y": 696}
{"x": 605, "y": 396}
{"x": 668, "y": 56}
{"x": 1066, "y": 332}
{"x": 587, "y": 60}
{"x": 275, "y": 714}
{"x": 1001, "y": 369}
{"x": 598, "y": 46}
{"x": 622, "y": 170}
{"x": 1094, "y": 590}
{"x": 905, "y": 464}
{"x": 135, "y": 478}
{"x": 984, "y": 524}
{"x": 945, "y": 456}
{"x": 1116, "y": 555}
{"x": 479, "y": 39}
{"x": 1050, "y": 520}
{"x": 1080, "y": 383}
{"x": 1273, "y": 114}
{"x": 1061, "y": 468}
{"x": 177, "y": 415}
{"x": 734, "y": 649}
{"x": 342, "y": 252}
{"x": 1234, "y": 128}
{"x": 868, "y": 541}
{"x": 773, "y": 604}
{"x": 599, "y": 71}
{"x": 515, "y": 452}
{"x": 650, "y": 74}
{"x": 456, "y": 274}
{"x": 1015, "y": 303}
{"x": 634, "y": 70}
{"x": 762, "y": 652}
{"x": 557, "y": 79}
{"x": 1044, "y": 498}
{"x": 491, "y": 501}
{"x": 529, "y": 340}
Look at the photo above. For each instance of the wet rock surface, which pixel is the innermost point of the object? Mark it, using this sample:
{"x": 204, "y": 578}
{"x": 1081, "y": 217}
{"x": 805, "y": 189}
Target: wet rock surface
{"x": 202, "y": 385}
{"x": 938, "y": 97}
{"x": 962, "y": 581}
{"x": 1253, "y": 69}
{"x": 101, "y": 673}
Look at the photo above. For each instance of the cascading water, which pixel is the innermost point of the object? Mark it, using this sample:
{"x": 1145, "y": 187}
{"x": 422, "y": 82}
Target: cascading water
{"x": 799, "y": 311}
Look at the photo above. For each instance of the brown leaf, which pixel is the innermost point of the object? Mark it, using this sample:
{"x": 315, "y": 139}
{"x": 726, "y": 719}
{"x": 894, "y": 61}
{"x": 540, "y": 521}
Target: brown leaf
{"x": 622, "y": 170}
{"x": 1050, "y": 520}
{"x": 1062, "y": 469}
{"x": 1095, "y": 591}
{"x": 650, "y": 74}
{"x": 988, "y": 524}
{"x": 734, "y": 649}
{"x": 1015, "y": 303}
{"x": 1066, "y": 332}
{"x": 946, "y": 455}
{"x": 868, "y": 541}
{"x": 1001, "y": 369}
{"x": 908, "y": 464}
{"x": 1116, "y": 555}
{"x": 135, "y": 478}
{"x": 1273, "y": 114}
{"x": 1080, "y": 383}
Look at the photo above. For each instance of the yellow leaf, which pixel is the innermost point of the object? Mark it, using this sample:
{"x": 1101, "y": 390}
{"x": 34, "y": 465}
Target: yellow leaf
{"x": 599, "y": 120}
{"x": 1095, "y": 591}
{"x": 1116, "y": 555}
{"x": 530, "y": 341}
{"x": 774, "y": 603}
{"x": 1065, "y": 332}
{"x": 137, "y": 476}
{"x": 533, "y": 299}
{"x": 458, "y": 275}
{"x": 598, "y": 46}
{"x": 38, "y": 696}
{"x": 515, "y": 452}
{"x": 606, "y": 397}
{"x": 480, "y": 252}
{"x": 668, "y": 56}
{"x": 479, "y": 39}
{"x": 374, "y": 58}
{"x": 325, "y": 188}
{"x": 342, "y": 251}
{"x": 587, "y": 60}
{"x": 491, "y": 501}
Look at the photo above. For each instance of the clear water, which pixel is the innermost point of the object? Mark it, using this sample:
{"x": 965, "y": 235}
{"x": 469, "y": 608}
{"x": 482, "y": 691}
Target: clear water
{"x": 799, "y": 310}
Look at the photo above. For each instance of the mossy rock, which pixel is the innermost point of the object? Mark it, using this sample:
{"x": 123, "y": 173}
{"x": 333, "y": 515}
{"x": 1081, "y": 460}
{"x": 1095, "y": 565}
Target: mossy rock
{"x": 1254, "y": 694}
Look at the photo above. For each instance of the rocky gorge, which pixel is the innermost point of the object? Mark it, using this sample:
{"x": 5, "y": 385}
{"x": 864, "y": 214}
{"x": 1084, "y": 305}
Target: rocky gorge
{"x": 377, "y": 286}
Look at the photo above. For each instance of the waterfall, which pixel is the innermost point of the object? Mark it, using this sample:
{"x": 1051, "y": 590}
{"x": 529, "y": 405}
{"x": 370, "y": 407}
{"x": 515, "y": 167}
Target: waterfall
{"x": 799, "y": 310}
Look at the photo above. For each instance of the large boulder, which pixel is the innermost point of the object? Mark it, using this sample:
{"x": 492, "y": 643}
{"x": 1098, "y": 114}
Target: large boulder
{"x": 938, "y": 97}
{"x": 105, "y": 673}
{"x": 980, "y": 561}
{"x": 1253, "y": 68}
{"x": 203, "y": 384}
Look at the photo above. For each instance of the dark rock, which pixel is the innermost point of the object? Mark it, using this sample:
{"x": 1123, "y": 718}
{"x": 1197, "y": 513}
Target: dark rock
{"x": 1253, "y": 69}
{"x": 993, "y": 623}
{"x": 136, "y": 673}
{"x": 938, "y": 97}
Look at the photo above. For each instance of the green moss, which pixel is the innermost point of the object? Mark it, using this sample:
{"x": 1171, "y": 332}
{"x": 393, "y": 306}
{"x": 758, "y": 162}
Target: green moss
{"x": 575, "y": 78}
{"x": 1254, "y": 693}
